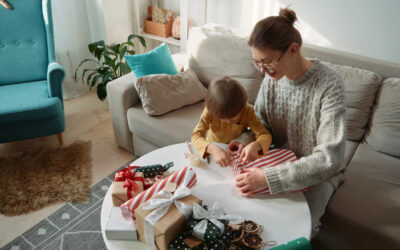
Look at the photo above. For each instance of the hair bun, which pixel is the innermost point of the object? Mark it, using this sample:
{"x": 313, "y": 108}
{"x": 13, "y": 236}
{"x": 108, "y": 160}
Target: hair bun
{"x": 288, "y": 14}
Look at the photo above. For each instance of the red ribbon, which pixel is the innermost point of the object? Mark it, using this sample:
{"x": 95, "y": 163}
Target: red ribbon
{"x": 128, "y": 177}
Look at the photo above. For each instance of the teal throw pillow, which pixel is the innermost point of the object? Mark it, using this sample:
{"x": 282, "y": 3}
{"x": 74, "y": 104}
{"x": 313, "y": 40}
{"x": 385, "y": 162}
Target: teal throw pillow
{"x": 156, "y": 61}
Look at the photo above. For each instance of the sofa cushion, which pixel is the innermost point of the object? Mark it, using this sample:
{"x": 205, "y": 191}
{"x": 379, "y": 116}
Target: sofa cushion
{"x": 27, "y": 101}
{"x": 365, "y": 208}
{"x": 215, "y": 51}
{"x": 156, "y": 61}
{"x": 161, "y": 93}
{"x": 360, "y": 90}
{"x": 384, "y": 127}
{"x": 167, "y": 129}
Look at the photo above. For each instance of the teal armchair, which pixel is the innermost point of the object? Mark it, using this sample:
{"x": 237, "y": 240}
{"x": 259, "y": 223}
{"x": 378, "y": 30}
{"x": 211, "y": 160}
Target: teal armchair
{"x": 31, "y": 100}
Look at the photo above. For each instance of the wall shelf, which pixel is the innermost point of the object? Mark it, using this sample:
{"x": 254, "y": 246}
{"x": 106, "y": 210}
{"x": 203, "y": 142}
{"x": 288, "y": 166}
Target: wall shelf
{"x": 169, "y": 40}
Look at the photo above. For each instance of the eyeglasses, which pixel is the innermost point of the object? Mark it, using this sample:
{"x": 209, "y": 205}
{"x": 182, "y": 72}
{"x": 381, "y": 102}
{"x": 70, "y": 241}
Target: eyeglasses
{"x": 267, "y": 65}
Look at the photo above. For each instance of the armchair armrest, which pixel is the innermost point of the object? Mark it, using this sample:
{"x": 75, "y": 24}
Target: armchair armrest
{"x": 55, "y": 77}
{"x": 122, "y": 95}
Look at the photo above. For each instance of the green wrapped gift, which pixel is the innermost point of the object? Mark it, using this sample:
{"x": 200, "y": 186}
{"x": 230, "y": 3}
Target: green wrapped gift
{"x": 206, "y": 230}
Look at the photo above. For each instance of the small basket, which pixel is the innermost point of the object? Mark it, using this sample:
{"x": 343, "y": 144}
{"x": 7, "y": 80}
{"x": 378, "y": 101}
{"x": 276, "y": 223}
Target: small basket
{"x": 158, "y": 29}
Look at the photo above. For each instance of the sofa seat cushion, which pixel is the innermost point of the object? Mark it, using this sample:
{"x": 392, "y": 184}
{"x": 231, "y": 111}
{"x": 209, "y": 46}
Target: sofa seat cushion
{"x": 27, "y": 101}
{"x": 384, "y": 127}
{"x": 174, "y": 127}
{"x": 365, "y": 208}
{"x": 360, "y": 91}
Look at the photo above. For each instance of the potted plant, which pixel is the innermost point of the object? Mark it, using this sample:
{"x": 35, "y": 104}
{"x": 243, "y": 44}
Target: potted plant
{"x": 109, "y": 63}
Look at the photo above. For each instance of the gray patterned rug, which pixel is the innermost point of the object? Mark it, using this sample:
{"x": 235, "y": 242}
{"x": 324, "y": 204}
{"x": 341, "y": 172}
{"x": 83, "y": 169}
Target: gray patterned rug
{"x": 73, "y": 226}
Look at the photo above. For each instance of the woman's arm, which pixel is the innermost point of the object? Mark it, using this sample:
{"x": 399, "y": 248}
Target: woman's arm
{"x": 327, "y": 157}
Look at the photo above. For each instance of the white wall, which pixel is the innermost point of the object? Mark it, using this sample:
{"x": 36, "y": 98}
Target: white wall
{"x": 364, "y": 27}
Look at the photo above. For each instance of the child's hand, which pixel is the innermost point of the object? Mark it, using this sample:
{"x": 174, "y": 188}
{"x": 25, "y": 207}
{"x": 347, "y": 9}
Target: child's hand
{"x": 235, "y": 146}
{"x": 250, "y": 152}
{"x": 220, "y": 156}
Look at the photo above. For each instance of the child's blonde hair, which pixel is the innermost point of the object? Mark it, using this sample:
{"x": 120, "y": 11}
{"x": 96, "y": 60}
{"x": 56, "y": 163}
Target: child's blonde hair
{"x": 225, "y": 98}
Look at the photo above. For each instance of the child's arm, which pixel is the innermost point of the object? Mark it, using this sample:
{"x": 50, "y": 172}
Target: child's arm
{"x": 200, "y": 132}
{"x": 263, "y": 136}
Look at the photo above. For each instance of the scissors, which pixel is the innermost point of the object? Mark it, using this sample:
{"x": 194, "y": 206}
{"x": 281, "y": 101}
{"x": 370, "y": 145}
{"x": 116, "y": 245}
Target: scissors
{"x": 5, "y": 4}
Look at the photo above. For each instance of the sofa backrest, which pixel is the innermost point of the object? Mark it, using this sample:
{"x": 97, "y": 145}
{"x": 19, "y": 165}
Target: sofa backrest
{"x": 23, "y": 42}
{"x": 214, "y": 51}
{"x": 383, "y": 133}
{"x": 362, "y": 78}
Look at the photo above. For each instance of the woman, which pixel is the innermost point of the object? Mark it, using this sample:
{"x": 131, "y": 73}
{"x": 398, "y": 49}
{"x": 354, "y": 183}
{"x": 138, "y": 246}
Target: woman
{"x": 301, "y": 102}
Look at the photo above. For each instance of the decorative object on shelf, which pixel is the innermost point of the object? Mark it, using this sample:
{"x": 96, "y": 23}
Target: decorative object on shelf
{"x": 5, "y": 4}
{"x": 159, "y": 15}
{"x": 109, "y": 64}
{"x": 157, "y": 27}
{"x": 176, "y": 28}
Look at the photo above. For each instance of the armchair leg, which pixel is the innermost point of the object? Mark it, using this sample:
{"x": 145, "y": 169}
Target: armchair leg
{"x": 60, "y": 139}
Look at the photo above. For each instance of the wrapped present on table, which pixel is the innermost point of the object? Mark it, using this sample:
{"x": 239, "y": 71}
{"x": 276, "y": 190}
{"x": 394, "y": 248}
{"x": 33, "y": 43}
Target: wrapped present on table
{"x": 160, "y": 219}
{"x": 206, "y": 230}
{"x": 150, "y": 171}
{"x": 118, "y": 228}
{"x": 126, "y": 185}
{"x": 272, "y": 158}
{"x": 185, "y": 176}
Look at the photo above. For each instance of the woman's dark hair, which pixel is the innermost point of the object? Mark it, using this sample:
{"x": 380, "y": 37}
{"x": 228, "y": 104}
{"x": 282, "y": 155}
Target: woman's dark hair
{"x": 276, "y": 32}
{"x": 225, "y": 98}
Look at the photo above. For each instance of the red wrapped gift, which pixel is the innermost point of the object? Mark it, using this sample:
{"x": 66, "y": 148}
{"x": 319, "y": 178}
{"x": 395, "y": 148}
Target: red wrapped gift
{"x": 272, "y": 158}
{"x": 126, "y": 185}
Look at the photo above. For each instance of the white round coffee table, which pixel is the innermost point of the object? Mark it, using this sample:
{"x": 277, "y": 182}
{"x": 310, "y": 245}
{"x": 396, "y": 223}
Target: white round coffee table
{"x": 285, "y": 217}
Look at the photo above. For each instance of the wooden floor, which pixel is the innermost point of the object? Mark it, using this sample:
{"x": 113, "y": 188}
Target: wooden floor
{"x": 87, "y": 118}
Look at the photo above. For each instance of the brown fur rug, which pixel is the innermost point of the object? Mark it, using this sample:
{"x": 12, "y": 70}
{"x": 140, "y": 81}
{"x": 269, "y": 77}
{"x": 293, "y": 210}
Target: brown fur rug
{"x": 32, "y": 180}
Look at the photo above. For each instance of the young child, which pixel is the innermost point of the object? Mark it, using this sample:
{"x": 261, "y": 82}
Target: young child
{"x": 226, "y": 115}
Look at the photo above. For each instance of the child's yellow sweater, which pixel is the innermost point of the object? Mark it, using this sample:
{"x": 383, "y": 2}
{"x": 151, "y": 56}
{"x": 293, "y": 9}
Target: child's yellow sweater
{"x": 224, "y": 132}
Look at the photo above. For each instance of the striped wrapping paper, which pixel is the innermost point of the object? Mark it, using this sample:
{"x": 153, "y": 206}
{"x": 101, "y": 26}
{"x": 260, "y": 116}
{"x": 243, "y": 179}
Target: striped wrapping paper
{"x": 185, "y": 176}
{"x": 273, "y": 158}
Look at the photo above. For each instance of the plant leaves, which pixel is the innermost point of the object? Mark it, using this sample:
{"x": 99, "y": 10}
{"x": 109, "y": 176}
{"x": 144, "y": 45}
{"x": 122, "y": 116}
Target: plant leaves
{"x": 94, "y": 80}
{"x": 101, "y": 91}
{"x": 80, "y": 64}
{"x": 140, "y": 38}
{"x": 125, "y": 69}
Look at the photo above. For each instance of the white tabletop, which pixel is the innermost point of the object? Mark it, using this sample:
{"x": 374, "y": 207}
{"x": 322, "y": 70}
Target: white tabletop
{"x": 285, "y": 217}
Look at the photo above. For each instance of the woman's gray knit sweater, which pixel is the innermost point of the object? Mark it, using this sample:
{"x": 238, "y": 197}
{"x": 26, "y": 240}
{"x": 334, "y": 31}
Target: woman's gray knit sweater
{"x": 308, "y": 115}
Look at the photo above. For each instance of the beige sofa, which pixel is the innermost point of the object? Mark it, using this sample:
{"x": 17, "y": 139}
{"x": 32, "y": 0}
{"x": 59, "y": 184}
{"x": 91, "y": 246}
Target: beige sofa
{"x": 364, "y": 213}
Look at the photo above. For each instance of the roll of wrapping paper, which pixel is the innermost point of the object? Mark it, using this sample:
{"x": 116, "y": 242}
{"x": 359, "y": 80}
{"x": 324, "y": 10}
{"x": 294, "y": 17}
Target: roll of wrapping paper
{"x": 297, "y": 244}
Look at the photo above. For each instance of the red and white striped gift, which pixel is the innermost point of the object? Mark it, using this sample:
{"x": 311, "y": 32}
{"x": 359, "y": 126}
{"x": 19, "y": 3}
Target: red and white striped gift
{"x": 272, "y": 158}
{"x": 185, "y": 176}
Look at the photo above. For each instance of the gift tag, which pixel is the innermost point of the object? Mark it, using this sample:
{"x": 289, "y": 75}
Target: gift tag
{"x": 170, "y": 187}
{"x": 192, "y": 242}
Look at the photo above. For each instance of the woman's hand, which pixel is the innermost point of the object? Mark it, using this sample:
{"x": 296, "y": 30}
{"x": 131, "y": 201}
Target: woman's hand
{"x": 220, "y": 156}
{"x": 235, "y": 146}
{"x": 250, "y": 152}
{"x": 251, "y": 180}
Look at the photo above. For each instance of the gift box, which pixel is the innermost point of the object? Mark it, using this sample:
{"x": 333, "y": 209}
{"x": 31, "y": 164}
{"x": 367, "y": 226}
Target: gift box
{"x": 272, "y": 158}
{"x": 118, "y": 228}
{"x": 185, "y": 176}
{"x": 126, "y": 185}
{"x": 206, "y": 230}
{"x": 160, "y": 219}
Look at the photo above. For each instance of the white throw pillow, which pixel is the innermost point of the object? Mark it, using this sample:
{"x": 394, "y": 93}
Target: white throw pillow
{"x": 161, "y": 93}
